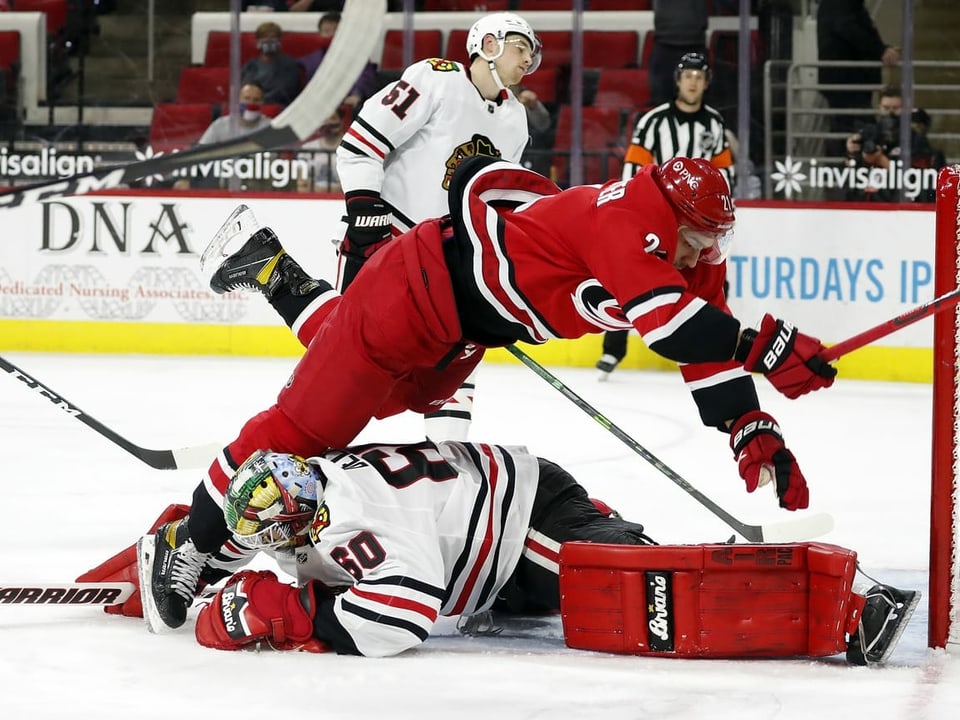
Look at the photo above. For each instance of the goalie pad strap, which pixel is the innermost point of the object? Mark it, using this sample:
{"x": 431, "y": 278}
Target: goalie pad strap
{"x": 785, "y": 600}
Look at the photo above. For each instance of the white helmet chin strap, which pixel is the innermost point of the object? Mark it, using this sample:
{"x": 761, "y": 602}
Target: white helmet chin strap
{"x": 493, "y": 70}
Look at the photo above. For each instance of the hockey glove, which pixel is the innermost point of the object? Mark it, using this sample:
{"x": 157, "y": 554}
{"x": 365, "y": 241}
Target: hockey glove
{"x": 122, "y": 567}
{"x": 790, "y": 360}
{"x": 368, "y": 221}
{"x": 255, "y": 606}
{"x": 757, "y": 445}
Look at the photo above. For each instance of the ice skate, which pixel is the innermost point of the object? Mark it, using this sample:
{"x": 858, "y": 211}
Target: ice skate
{"x": 884, "y": 618}
{"x": 244, "y": 256}
{"x": 169, "y": 568}
{"x": 606, "y": 365}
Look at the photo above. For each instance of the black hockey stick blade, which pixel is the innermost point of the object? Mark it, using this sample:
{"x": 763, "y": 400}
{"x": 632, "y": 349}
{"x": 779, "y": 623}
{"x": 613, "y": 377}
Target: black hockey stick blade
{"x": 357, "y": 34}
{"x": 800, "y": 528}
{"x": 189, "y": 457}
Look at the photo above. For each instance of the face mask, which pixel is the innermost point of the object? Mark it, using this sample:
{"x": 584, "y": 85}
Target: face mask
{"x": 269, "y": 47}
{"x": 250, "y": 111}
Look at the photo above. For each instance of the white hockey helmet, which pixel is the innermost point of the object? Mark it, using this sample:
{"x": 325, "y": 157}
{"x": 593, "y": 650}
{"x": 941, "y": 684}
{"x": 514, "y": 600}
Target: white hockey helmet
{"x": 500, "y": 25}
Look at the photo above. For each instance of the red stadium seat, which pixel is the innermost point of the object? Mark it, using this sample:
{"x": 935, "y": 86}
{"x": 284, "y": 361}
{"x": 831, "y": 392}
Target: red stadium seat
{"x": 178, "y": 125}
{"x": 538, "y": 5}
{"x": 544, "y": 83}
{"x": 298, "y": 44}
{"x": 647, "y": 49}
{"x": 610, "y": 49}
{"x": 457, "y": 45}
{"x": 426, "y": 44}
{"x": 56, "y": 11}
{"x": 217, "y": 53}
{"x": 466, "y": 5}
{"x": 621, "y": 4}
{"x": 602, "y": 146}
{"x": 204, "y": 85}
{"x": 9, "y": 49}
{"x": 623, "y": 88}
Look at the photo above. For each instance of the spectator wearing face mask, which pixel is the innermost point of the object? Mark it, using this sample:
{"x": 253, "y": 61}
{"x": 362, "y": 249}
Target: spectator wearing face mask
{"x": 250, "y": 119}
{"x": 276, "y": 72}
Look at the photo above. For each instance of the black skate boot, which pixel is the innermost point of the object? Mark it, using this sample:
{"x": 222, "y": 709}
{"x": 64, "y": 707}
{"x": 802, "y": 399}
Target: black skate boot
{"x": 606, "y": 365}
{"x": 884, "y": 618}
{"x": 169, "y": 568}
{"x": 244, "y": 256}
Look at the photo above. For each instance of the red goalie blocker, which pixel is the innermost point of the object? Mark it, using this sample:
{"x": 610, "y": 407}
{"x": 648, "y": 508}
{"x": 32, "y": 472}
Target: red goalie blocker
{"x": 722, "y": 601}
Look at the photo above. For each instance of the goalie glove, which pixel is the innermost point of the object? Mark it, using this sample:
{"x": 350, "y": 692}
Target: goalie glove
{"x": 757, "y": 445}
{"x": 254, "y": 607}
{"x": 789, "y": 359}
{"x": 368, "y": 222}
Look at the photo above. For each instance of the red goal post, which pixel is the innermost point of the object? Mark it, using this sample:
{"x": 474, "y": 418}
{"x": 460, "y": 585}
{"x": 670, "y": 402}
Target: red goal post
{"x": 944, "y": 594}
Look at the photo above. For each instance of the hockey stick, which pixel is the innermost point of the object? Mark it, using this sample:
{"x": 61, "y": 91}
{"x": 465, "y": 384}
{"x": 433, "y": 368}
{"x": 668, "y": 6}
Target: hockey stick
{"x": 944, "y": 302}
{"x": 801, "y": 528}
{"x": 189, "y": 457}
{"x": 70, "y": 594}
{"x": 357, "y": 34}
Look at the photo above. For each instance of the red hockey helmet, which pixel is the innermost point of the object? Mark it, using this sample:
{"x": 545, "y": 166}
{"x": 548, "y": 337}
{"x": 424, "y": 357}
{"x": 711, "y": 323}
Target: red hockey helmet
{"x": 701, "y": 201}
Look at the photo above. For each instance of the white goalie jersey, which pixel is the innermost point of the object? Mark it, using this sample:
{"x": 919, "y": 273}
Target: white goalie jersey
{"x": 414, "y": 532}
{"x": 409, "y": 138}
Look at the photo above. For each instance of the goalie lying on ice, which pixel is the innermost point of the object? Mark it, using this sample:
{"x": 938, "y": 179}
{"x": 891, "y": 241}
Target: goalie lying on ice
{"x": 383, "y": 539}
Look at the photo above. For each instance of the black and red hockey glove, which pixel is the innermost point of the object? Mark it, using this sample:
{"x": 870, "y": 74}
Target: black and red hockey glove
{"x": 368, "y": 221}
{"x": 790, "y": 360}
{"x": 757, "y": 445}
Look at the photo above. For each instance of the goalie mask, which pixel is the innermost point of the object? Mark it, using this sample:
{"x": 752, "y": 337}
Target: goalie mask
{"x": 701, "y": 201}
{"x": 500, "y": 25}
{"x": 271, "y": 500}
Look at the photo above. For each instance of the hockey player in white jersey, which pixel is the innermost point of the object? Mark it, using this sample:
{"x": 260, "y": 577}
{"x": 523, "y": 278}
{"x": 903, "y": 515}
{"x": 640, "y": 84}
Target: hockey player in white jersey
{"x": 384, "y": 539}
{"x": 397, "y": 157}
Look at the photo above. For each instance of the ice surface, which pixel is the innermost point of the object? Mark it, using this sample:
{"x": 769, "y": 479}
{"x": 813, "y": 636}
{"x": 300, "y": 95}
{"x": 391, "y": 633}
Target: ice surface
{"x": 71, "y": 499}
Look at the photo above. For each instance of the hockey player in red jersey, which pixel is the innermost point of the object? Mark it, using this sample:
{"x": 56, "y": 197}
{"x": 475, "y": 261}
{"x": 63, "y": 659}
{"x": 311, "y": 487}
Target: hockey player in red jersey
{"x": 385, "y": 539}
{"x": 516, "y": 260}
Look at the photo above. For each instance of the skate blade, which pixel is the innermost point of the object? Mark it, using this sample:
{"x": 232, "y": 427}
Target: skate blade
{"x": 906, "y": 612}
{"x": 241, "y": 224}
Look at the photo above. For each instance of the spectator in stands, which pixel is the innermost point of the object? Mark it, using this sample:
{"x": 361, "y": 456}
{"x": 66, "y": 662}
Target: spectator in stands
{"x": 322, "y": 158}
{"x": 250, "y": 119}
{"x": 846, "y": 32}
{"x": 679, "y": 27}
{"x": 276, "y": 72}
{"x": 366, "y": 84}
{"x": 877, "y": 145}
{"x": 684, "y": 127}
{"x": 539, "y": 121}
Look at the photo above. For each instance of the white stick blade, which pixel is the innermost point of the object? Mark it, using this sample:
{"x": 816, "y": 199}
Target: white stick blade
{"x": 802, "y": 528}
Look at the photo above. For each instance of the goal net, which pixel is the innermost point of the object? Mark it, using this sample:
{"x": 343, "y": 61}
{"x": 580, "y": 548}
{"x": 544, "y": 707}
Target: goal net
{"x": 944, "y": 596}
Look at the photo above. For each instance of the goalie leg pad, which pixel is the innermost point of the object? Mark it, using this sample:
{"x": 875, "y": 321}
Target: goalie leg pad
{"x": 122, "y": 567}
{"x": 728, "y": 601}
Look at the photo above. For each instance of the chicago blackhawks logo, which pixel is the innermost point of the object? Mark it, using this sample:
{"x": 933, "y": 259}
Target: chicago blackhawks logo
{"x": 441, "y": 65}
{"x": 320, "y": 522}
{"x": 598, "y": 306}
{"x": 478, "y": 145}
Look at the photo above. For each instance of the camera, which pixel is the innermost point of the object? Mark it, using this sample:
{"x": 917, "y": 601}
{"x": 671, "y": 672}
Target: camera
{"x": 882, "y": 136}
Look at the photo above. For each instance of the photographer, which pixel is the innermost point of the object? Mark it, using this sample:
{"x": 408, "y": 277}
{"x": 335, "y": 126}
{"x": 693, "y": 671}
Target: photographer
{"x": 877, "y": 147}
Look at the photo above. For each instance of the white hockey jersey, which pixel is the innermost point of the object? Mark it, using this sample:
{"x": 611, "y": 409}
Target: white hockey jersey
{"x": 415, "y": 532}
{"x": 409, "y": 138}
